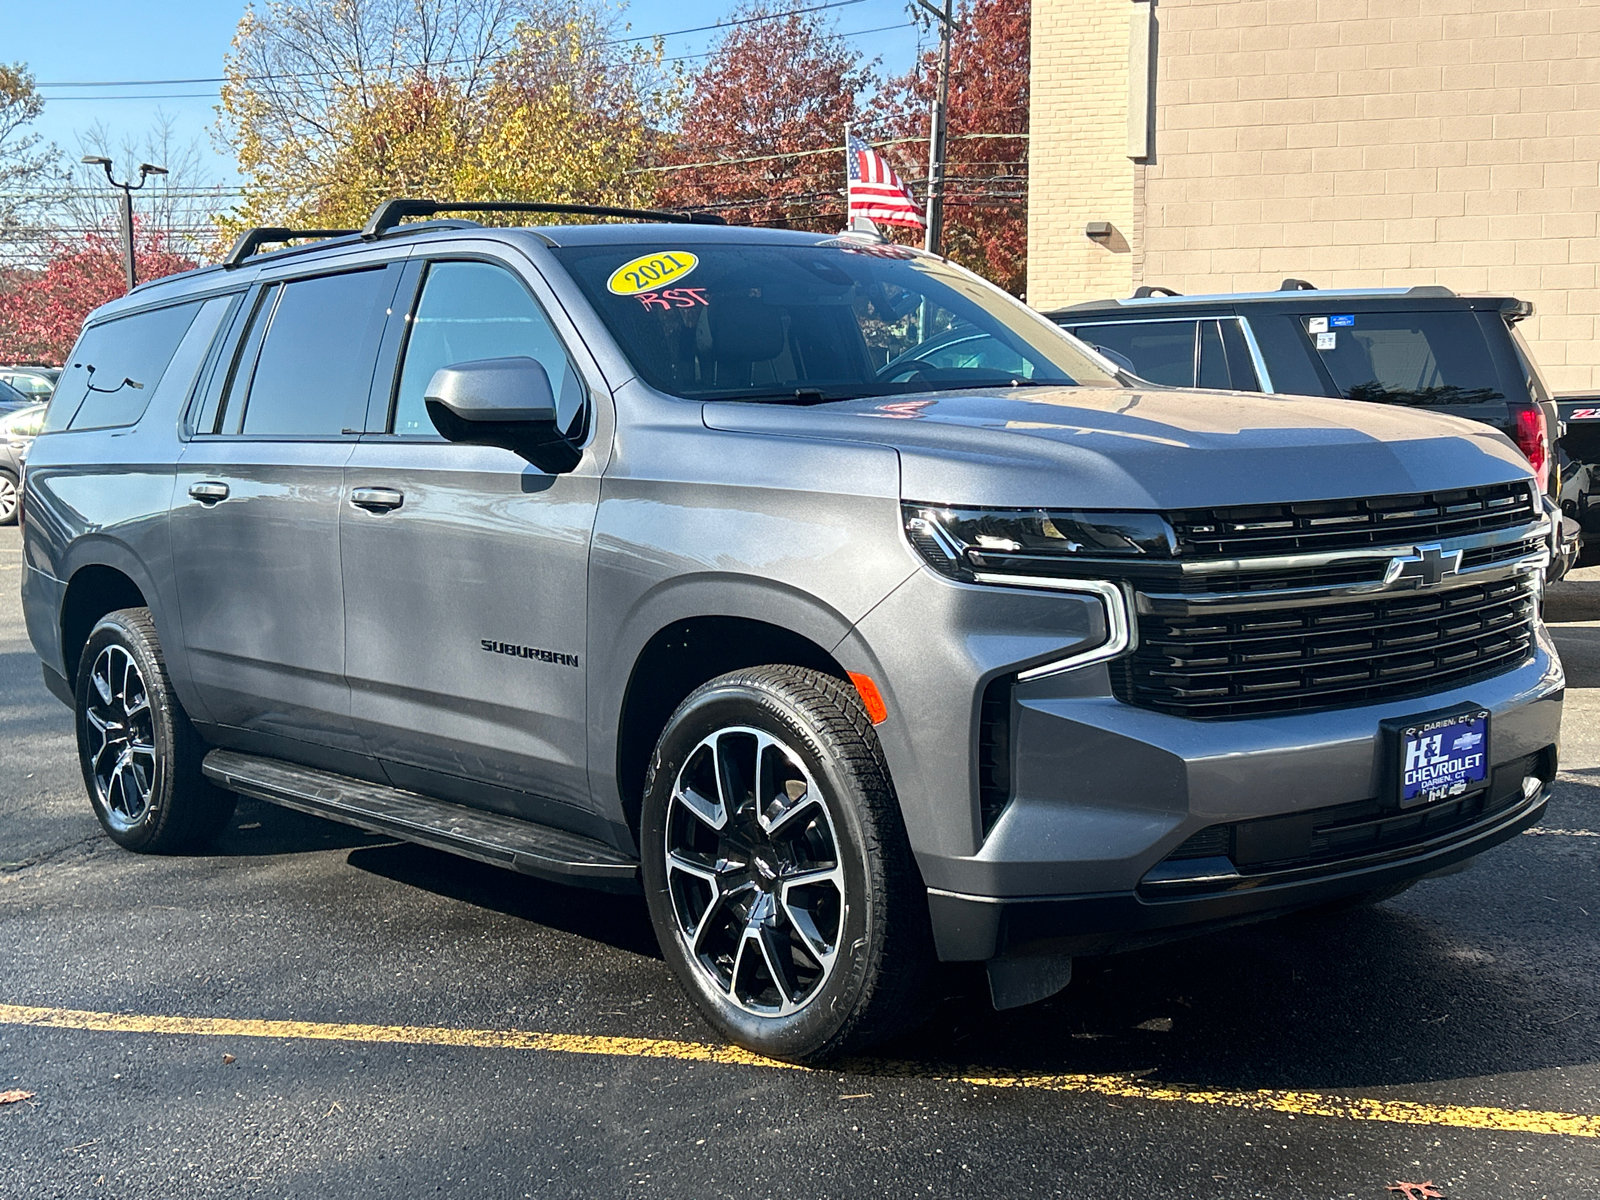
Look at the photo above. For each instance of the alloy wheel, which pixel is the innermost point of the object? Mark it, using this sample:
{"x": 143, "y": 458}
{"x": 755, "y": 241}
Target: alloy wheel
{"x": 754, "y": 872}
{"x": 123, "y": 764}
{"x": 8, "y": 499}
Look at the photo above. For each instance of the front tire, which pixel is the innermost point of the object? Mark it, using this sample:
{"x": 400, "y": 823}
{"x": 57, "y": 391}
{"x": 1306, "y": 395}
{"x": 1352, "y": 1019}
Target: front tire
{"x": 139, "y": 754}
{"x": 10, "y": 498}
{"x": 776, "y": 866}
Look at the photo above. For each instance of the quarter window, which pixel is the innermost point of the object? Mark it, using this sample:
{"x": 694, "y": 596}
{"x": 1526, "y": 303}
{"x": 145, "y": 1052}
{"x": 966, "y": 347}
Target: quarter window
{"x": 115, "y": 367}
{"x": 470, "y": 311}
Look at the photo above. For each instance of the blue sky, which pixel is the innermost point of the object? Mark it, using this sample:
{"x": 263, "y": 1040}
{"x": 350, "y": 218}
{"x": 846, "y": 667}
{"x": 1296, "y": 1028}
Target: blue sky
{"x": 90, "y": 41}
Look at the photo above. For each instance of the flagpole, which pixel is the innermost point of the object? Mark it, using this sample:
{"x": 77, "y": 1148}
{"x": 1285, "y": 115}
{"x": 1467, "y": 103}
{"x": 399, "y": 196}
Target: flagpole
{"x": 847, "y": 221}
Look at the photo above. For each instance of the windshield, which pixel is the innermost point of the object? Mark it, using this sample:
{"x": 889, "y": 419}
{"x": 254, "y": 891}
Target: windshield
{"x": 840, "y": 319}
{"x": 1422, "y": 358}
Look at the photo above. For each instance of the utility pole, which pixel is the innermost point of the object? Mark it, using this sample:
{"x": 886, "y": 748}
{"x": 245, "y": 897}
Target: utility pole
{"x": 128, "y": 189}
{"x": 937, "y": 127}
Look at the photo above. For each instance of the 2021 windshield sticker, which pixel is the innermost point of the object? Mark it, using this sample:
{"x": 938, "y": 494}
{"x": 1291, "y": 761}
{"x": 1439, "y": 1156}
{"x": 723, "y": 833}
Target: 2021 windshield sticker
{"x": 651, "y": 272}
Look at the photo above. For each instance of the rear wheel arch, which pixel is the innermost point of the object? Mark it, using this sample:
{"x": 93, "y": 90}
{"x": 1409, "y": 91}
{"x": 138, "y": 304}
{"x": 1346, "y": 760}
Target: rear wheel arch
{"x": 92, "y": 592}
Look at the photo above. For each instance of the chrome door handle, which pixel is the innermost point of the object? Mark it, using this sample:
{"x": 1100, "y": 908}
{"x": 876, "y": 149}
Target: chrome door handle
{"x": 208, "y": 493}
{"x": 376, "y": 499}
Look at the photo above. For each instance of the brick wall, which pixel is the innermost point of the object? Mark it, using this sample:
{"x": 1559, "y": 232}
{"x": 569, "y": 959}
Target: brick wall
{"x": 1077, "y": 160}
{"x": 1375, "y": 142}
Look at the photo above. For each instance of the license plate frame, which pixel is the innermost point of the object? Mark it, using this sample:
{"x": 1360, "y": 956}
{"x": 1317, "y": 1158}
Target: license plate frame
{"x": 1407, "y": 750}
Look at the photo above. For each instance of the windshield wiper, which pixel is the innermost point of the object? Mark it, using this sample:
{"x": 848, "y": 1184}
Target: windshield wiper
{"x": 800, "y": 396}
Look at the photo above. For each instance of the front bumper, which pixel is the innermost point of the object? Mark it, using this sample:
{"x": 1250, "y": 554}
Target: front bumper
{"x": 1101, "y": 793}
{"x": 973, "y": 927}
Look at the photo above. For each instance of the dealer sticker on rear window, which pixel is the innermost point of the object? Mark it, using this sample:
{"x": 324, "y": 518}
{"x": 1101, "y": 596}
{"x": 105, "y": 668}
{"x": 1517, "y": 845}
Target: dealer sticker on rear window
{"x": 649, "y": 272}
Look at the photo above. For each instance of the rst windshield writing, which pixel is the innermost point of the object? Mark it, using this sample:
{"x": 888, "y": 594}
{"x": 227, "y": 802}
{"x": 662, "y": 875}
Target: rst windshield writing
{"x": 835, "y": 319}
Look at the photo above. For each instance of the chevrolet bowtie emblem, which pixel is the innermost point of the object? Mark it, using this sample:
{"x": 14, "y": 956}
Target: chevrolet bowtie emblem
{"x": 1425, "y": 566}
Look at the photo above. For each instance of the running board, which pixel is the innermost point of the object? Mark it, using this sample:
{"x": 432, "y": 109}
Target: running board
{"x": 489, "y": 837}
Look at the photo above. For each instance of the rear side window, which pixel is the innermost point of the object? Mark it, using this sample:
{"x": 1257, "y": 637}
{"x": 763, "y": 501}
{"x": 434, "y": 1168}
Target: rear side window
{"x": 469, "y": 311}
{"x": 115, "y": 367}
{"x": 1161, "y": 351}
{"x": 1420, "y": 358}
{"x": 311, "y": 373}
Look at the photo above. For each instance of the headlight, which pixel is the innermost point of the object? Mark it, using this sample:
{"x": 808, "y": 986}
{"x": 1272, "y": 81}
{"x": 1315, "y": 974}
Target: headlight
{"x": 964, "y": 543}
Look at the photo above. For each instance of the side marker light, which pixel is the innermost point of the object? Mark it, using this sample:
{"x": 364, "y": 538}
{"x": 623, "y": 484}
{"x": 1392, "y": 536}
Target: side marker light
{"x": 871, "y": 699}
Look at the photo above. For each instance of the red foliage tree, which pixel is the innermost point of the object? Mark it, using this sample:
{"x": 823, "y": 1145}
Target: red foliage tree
{"x": 986, "y": 176}
{"x": 771, "y": 88}
{"x": 41, "y": 312}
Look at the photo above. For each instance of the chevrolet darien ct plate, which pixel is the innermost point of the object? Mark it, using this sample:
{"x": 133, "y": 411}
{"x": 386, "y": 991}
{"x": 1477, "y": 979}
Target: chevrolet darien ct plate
{"x": 1443, "y": 757}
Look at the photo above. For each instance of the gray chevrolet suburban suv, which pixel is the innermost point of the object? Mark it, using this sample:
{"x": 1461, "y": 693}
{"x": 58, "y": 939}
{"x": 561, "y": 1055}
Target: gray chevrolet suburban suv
{"x": 643, "y": 556}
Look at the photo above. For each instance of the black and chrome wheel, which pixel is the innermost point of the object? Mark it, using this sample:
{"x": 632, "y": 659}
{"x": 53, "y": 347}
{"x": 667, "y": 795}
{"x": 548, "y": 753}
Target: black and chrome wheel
{"x": 753, "y": 871}
{"x": 9, "y": 498}
{"x": 122, "y": 739}
{"x": 779, "y": 878}
{"x": 140, "y": 756}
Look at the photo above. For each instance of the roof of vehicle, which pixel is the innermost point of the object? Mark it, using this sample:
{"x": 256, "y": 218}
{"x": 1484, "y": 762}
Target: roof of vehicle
{"x": 643, "y": 231}
{"x": 1429, "y": 296}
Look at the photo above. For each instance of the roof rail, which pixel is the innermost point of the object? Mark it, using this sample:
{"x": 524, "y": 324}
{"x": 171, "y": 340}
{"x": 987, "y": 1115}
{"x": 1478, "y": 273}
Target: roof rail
{"x": 1148, "y": 290}
{"x": 391, "y": 212}
{"x": 245, "y": 244}
{"x": 1296, "y": 285}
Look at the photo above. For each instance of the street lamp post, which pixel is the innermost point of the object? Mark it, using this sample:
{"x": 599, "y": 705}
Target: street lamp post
{"x": 128, "y": 189}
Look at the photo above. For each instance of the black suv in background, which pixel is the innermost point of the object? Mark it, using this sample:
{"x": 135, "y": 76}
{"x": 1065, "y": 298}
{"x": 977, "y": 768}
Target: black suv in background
{"x": 1422, "y": 347}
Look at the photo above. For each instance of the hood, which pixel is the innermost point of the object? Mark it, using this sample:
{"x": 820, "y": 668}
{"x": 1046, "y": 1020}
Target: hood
{"x": 1149, "y": 449}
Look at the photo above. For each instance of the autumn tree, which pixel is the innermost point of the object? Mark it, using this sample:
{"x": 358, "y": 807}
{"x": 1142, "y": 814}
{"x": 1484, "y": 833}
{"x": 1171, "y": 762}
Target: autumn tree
{"x": 43, "y": 310}
{"x": 774, "y": 97}
{"x": 333, "y": 105}
{"x": 986, "y": 171}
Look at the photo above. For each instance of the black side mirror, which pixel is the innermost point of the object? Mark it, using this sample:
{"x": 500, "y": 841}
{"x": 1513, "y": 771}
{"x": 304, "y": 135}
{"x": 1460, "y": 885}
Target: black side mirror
{"x": 504, "y": 402}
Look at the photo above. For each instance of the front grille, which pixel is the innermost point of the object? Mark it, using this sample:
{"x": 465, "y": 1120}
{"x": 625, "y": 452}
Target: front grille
{"x": 1275, "y": 660}
{"x": 1350, "y": 524}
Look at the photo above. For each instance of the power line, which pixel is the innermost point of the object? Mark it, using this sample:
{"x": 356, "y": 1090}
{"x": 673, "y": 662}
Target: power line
{"x": 212, "y": 95}
{"x": 644, "y": 37}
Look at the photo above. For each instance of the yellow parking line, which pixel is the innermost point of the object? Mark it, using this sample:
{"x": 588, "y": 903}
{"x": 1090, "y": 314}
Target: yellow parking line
{"x": 1311, "y": 1104}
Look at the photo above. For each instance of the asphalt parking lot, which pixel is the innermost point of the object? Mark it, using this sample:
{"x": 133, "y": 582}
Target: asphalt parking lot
{"x": 312, "y": 1011}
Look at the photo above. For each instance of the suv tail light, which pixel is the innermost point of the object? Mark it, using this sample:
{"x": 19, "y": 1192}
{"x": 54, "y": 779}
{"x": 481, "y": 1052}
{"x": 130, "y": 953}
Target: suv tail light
{"x": 1533, "y": 439}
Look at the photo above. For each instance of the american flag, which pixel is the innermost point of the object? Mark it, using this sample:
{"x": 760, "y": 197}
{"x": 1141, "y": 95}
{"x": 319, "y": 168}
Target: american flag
{"x": 876, "y": 191}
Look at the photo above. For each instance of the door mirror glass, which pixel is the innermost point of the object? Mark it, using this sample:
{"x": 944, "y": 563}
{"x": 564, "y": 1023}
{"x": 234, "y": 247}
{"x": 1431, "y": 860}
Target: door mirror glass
{"x": 504, "y": 402}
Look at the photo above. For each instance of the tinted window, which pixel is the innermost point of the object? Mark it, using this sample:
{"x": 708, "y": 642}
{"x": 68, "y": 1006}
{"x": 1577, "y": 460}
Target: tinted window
{"x": 115, "y": 367}
{"x": 315, "y": 365}
{"x": 470, "y": 311}
{"x": 1419, "y": 358}
{"x": 754, "y": 320}
{"x": 1213, "y": 360}
{"x": 1160, "y": 351}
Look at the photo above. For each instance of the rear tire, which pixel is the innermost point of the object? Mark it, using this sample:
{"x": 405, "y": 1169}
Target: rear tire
{"x": 10, "y": 498}
{"x": 779, "y": 877}
{"x": 139, "y": 754}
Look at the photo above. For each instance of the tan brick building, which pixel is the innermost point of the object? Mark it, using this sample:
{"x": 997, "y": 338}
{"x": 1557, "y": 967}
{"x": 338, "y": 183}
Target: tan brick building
{"x": 1233, "y": 143}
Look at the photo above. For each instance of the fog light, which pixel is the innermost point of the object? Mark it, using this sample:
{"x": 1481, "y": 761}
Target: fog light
{"x": 1530, "y": 786}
